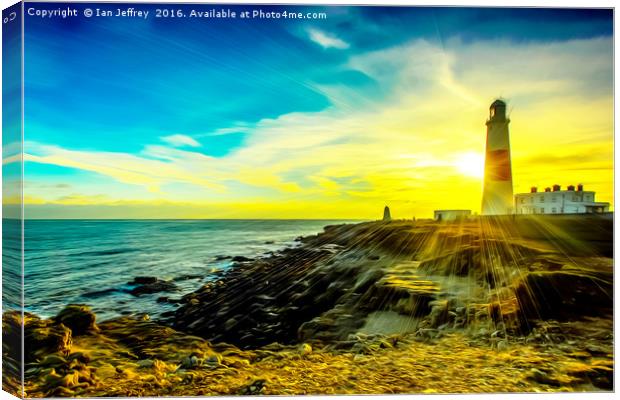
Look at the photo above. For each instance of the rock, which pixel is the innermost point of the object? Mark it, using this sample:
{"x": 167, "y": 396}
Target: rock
{"x": 502, "y": 345}
{"x": 237, "y": 363}
{"x": 305, "y": 349}
{"x": 602, "y": 377}
{"x": 148, "y": 363}
{"x": 191, "y": 362}
{"x": 597, "y": 350}
{"x": 443, "y": 327}
{"x": 214, "y": 359}
{"x": 230, "y": 323}
{"x": 537, "y": 375}
{"x": 52, "y": 360}
{"x": 459, "y": 323}
{"x": 241, "y": 259}
{"x": 222, "y": 258}
{"x": 143, "y": 280}
{"x": 79, "y": 356}
{"x": 154, "y": 287}
{"x": 79, "y": 318}
{"x": 580, "y": 355}
{"x": 253, "y": 388}
{"x": 439, "y": 313}
{"x": 427, "y": 333}
{"x": 41, "y": 337}
{"x": 187, "y": 277}
{"x": 565, "y": 295}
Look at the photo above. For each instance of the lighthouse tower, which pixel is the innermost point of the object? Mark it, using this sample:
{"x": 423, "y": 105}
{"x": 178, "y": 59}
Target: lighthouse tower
{"x": 497, "y": 197}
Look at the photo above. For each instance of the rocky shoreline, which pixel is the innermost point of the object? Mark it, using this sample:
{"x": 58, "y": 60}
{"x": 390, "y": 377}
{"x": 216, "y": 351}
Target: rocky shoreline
{"x": 377, "y": 301}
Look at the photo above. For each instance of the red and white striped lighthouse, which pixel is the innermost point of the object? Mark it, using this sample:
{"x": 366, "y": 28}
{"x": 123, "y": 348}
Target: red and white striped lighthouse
{"x": 497, "y": 197}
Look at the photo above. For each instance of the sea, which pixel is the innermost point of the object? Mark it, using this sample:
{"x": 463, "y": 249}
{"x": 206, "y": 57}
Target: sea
{"x": 93, "y": 262}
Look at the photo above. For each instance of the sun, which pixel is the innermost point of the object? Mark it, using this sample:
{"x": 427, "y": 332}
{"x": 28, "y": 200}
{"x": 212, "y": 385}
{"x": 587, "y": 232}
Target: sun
{"x": 470, "y": 164}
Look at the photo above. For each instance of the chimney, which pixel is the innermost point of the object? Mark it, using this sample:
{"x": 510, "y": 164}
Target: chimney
{"x": 547, "y": 189}
{"x": 580, "y": 188}
{"x": 570, "y": 188}
{"x": 533, "y": 189}
{"x": 556, "y": 188}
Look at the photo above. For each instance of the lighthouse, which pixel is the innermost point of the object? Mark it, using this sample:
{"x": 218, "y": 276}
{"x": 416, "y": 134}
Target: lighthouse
{"x": 497, "y": 197}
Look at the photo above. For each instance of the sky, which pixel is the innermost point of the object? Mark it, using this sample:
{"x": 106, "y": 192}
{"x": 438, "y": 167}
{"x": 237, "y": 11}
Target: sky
{"x": 330, "y": 118}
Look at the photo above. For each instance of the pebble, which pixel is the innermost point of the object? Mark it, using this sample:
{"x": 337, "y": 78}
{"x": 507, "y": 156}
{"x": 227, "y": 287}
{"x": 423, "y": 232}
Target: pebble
{"x": 191, "y": 362}
{"x": 214, "y": 359}
{"x": 52, "y": 360}
{"x": 305, "y": 349}
{"x": 541, "y": 377}
{"x": 427, "y": 333}
{"x": 148, "y": 363}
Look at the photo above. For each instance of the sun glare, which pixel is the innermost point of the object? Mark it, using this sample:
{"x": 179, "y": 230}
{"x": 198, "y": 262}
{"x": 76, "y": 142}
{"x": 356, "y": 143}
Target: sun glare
{"x": 470, "y": 164}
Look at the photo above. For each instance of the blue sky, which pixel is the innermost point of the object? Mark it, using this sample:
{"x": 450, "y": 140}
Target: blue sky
{"x": 115, "y": 84}
{"x": 132, "y": 88}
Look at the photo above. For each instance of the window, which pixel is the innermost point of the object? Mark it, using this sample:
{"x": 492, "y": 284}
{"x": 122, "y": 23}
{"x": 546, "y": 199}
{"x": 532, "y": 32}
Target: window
{"x": 542, "y": 199}
{"x": 554, "y": 199}
{"x": 522, "y": 200}
{"x": 554, "y": 210}
{"x": 542, "y": 210}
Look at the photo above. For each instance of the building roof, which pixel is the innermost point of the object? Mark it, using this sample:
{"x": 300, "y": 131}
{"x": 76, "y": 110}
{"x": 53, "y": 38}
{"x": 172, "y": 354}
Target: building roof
{"x": 553, "y": 191}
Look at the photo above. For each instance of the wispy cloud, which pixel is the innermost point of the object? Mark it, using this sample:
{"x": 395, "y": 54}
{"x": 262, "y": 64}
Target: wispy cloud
{"x": 133, "y": 169}
{"x": 180, "y": 141}
{"x": 401, "y": 148}
{"x": 326, "y": 40}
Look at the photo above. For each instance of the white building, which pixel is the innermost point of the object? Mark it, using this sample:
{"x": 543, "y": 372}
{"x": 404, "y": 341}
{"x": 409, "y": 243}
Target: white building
{"x": 557, "y": 201}
{"x": 451, "y": 215}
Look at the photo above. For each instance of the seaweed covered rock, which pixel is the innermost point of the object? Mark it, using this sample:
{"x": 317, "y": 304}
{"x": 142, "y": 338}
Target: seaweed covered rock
{"x": 279, "y": 294}
{"x": 79, "y": 318}
{"x": 40, "y": 336}
{"x": 44, "y": 337}
{"x": 565, "y": 295}
{"x": 12, "y": 352}
{"x": 150, "y": 285}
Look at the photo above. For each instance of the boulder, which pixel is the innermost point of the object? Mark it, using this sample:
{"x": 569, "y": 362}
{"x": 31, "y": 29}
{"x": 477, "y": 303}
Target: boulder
{"x": 154, "y": 287}
{"x": 241, "y": 259}
{"x": 79, "y": 318}
{"x": 143, "y": 280}
{"x": 41, "y": 337}
{"x": 565, "y": 295}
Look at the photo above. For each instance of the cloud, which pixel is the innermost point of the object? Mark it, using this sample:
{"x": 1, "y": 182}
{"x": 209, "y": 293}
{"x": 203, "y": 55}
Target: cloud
{"x": 354, "y": 157}
{"x": 327, "y": 41}
{"x": 132, "y": 169}
{"x": 180, "y": 141}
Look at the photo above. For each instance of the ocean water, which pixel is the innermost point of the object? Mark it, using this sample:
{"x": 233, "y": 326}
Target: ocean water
{"x": 93, "y": 261}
